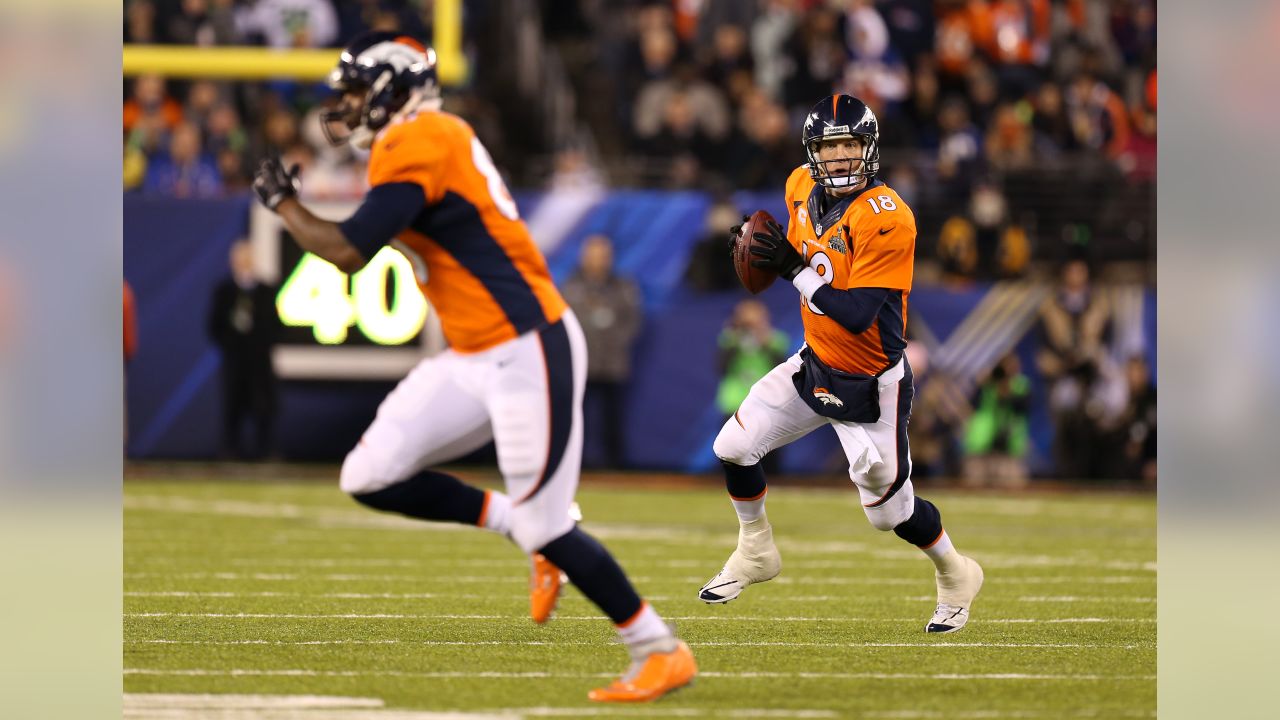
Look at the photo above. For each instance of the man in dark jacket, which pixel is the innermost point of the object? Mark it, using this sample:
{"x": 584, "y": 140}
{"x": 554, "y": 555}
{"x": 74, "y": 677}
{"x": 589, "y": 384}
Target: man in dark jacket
{"x": 609, "y": 307}
{"x": 244, "y": 325}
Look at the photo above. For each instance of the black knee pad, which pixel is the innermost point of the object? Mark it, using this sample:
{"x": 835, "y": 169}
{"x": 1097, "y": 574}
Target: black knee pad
{"x": 743, "y": 481}
{"x": 924, "y": 525}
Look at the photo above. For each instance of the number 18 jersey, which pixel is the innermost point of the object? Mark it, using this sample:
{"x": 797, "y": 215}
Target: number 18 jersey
{"x": 867, "y": 239}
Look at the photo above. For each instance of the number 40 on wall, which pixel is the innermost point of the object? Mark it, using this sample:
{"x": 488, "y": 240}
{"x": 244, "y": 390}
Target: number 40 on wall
{"x": 320, "y": 296}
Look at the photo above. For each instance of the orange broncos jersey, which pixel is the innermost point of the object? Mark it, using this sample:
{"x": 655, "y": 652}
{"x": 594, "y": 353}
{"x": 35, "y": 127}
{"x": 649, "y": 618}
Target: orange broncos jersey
{"x": 865, "y": 240}
{"x": 474, "y": 258}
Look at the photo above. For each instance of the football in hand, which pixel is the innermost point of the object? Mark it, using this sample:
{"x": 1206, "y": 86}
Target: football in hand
{"x": 754, "y": 279}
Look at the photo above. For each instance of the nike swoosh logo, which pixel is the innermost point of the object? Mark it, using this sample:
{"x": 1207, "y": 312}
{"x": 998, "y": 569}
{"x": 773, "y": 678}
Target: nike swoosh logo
{"x": 885, "y": 231}
{"x": 713, "y": 587}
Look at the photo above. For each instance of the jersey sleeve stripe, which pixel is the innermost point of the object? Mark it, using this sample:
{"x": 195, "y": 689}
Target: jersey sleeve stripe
{"x": 456, "y": 226}
{"x": 386, "y": 211}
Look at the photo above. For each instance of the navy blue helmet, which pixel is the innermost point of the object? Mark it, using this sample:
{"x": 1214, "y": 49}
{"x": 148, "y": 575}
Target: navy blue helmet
{"x": 391, "y": 73}
{"x": 842, "y": 117}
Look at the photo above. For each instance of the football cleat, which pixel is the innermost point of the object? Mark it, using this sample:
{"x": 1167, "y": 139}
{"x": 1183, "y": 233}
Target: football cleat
{"x": 755, "y": 560}
{"x": 651, "y": 675}
{"x": 545, "y": 583}
{"x": 956, "y": 591}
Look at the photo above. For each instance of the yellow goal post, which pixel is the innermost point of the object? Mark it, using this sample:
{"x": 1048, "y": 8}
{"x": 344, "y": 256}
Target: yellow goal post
{"x": 258, "y": 63}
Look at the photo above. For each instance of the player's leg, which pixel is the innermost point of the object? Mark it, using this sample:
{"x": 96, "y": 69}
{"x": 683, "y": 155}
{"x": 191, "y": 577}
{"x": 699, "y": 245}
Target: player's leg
{"x": 536, "y": 405}
{"x": 428, "y": 419}
{"x": 771, "y": 416}
{"x": 880, "y": 466}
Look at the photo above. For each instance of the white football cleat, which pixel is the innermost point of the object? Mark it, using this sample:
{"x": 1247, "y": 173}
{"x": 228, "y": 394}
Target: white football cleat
{"x": 755, "y": 560}
{"x": 956, "y": 591}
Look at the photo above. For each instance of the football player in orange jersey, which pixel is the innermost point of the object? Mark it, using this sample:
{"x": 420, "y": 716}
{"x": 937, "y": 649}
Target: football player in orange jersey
{"x": 515, "y": 368}
{"x": 849, "y": 249}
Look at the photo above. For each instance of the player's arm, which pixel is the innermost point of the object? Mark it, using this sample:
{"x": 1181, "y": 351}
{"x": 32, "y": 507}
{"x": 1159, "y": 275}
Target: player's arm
{"x": 386, "y": 211}
{"x": 855, "y": 309}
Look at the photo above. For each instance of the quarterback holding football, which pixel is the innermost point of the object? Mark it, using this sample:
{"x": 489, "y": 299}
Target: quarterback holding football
{"x": 849, "y": 249}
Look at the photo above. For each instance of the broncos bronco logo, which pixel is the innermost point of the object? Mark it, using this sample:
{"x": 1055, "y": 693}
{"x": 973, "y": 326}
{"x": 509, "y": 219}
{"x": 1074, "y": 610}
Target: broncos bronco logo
{"x": 826, "y": 397}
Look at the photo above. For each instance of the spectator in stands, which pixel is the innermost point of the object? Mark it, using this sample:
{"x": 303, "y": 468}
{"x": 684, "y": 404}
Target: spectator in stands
{"x": 691, "y": 129}
{"x": 609, "y": 307}
{"x": 1138, "y": 423}
{"x": 762, "y": 149}
{"x": 130, "y": 343}
{"x": 1009, "y": 140}
{"x": 769, "y": 34}
{"x": 959, "y": 148}
{"x": 140, "y": 22}
{"x": 989, "y": 210}
{"x": 1099, "y": 118}
{"x": 710, "y": 268}
{"x": 187, "y": 171}
{"x": 228, "y": 142}
{"x": 244, "y": 325}
{"x": 1074, "y": 326}
{"x": 963, "y": 27}
{"x": 816, "y": 55}
{"x": 875, "y": 72}
{"x": 1053, "y": 133}
{"x": 203, "y": 98}
{"x": 150, "y": 114}
{"x": 749, "y": 348}
{"x": 204, "y": 23}
{"x": 135, "y": 167}
{"x": 288, "y": 23}
{"x": 996, "y": 438}
{"x": 1019, "y": 44}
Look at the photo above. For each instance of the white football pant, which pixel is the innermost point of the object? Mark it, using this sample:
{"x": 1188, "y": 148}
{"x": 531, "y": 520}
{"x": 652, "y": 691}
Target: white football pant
{"x": 525, "y": 395}
{"x": 879, "y": 460}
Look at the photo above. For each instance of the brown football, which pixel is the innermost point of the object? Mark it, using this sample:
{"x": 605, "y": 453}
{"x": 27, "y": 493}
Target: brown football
{"x": 754, "y": 279}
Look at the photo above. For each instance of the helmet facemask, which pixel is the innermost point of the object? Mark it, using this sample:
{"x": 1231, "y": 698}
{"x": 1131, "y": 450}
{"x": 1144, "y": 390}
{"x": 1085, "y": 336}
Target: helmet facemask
{"x": 861, "y": 170}
{"x": 372, "y": 95}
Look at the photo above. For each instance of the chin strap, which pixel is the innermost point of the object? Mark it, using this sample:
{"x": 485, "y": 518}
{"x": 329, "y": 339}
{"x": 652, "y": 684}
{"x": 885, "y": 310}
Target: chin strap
{"x": 362, "y": 137}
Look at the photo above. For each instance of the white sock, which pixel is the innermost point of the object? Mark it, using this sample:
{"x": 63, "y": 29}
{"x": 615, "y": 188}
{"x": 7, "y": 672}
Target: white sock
{"x": 496, "y": 515}
{"x": 940, "y": 552}
{"x": 749, "y": 510}
{"x": 646, "y": 628}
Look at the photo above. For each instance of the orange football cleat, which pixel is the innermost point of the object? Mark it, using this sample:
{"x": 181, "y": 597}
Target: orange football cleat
{"x": 545, "y": 583}
{"x": 650, "y": 679}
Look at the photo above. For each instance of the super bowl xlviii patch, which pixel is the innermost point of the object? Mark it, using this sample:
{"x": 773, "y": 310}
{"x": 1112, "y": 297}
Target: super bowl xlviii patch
{"x": 837, "y": 241}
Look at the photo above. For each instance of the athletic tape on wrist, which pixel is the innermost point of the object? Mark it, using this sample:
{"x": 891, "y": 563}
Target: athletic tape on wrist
{"x": 807, "y": 282}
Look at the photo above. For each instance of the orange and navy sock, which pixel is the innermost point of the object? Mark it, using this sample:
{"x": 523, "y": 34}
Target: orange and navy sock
{"x": 495, "y": 515}
{"x": 645, "y": 626}
{"x": 594, "y": 571}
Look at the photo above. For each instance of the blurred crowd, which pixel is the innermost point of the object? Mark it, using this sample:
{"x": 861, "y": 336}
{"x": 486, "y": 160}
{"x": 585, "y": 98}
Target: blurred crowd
{"x": 985, "y": 85}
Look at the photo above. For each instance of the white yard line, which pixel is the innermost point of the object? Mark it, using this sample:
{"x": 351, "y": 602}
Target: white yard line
{"x": 597, "y": 618}
{"x": 513, "y": 643}
{"x": 243, "y": 672}
{"x": 520, "y": 578}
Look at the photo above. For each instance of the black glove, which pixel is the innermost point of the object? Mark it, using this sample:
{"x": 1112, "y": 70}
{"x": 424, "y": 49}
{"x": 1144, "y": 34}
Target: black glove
{"x": 735, "y": 232}
{"x": 274, "y": 184}
{"x": 777, "y": 254}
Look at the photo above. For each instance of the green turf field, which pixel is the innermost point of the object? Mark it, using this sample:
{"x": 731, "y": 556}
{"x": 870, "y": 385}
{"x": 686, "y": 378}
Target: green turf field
{"x": 290, "y": 590}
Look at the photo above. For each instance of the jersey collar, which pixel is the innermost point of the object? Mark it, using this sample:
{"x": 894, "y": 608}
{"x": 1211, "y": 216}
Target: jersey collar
{"x": 828, "y": 219}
